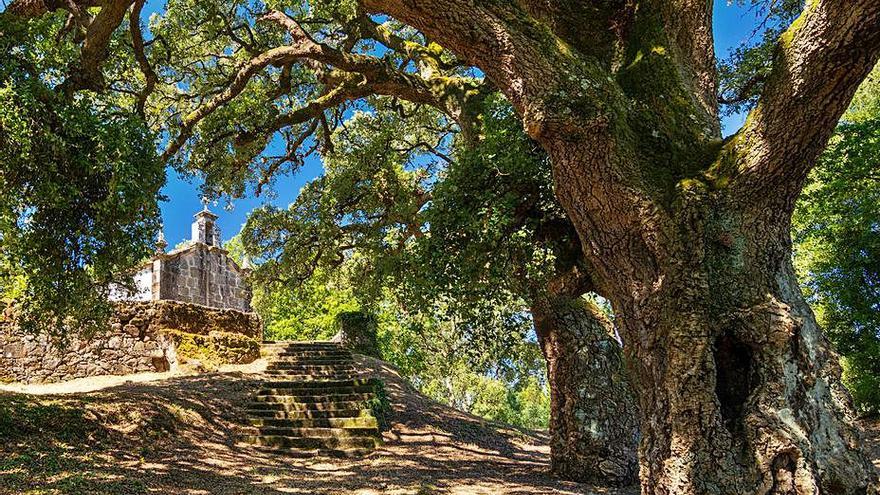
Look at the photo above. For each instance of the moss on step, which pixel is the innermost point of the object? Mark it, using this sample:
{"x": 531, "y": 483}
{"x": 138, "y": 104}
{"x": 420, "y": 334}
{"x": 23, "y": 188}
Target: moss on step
{"x": 214, "y": 349}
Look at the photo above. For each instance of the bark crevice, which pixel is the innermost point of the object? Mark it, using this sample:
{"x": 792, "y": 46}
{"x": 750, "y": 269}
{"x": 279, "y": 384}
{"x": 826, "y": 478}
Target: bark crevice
{"x": 733, "y": 379}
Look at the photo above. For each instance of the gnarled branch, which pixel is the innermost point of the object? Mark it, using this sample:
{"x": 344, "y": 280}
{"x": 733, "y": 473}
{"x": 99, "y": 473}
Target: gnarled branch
{"x": 354, "y": 76}
{"x": 821, "y": 60}
{"x": 137, "y": 41}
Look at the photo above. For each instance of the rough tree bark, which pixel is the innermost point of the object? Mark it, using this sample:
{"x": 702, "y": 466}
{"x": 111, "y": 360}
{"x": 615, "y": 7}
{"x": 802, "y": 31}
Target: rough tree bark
{"x": 740, "y": 388}
{"x": 593, "y": 420}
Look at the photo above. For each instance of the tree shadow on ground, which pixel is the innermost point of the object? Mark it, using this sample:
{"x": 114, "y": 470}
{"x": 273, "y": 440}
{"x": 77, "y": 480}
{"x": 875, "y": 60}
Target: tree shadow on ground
{"x": 181, "y": 436}
{"x": 418, "y": 412}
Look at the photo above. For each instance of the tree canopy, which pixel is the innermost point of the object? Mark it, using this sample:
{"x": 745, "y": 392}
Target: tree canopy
{"x": 80, "y": 182}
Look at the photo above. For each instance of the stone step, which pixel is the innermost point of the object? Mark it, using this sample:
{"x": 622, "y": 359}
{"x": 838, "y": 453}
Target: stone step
{"x": 325, "y": 375}
{"x": 294, "y": 375}
{"x": 313, "y": 362}
{"x": 310, "y": 367}
{"x": 312, "y": 352}
{"x": 312, "y": 453}
{"x": 313, "y": 443}
{"x": 291, "y": 405}
{"x": 313, "y": 392}
{"x": 316, "y": 374}
{"x": 309, "y": 346}
{"x": 297, "y": 357}
{"x": 314, "y": 399}
{"x": 318, "y": 385}
{"x": 280, "y": 413}
{"x": 283, "y": 431}
{"x": 294, "y": 357}
{"x": 355, "y": 422}
{"x": 316, "y": 360}
{"x": 309, "y": 378}
{"x": 303, "y": 346}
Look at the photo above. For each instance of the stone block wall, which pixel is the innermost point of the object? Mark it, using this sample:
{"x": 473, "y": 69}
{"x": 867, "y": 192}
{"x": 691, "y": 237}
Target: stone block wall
{"x": 203, "y": 274}
{"x": 196, "y": 319}
{"x": 142, "y": 337}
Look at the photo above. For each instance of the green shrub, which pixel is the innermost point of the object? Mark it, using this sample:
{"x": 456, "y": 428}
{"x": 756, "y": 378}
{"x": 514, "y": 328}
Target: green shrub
{"x": 380, "y": 405}
{"x": 358, "y": 330}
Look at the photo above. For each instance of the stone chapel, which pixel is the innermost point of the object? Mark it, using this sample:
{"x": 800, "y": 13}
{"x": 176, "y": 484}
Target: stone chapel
{"x": 199, "y": 272}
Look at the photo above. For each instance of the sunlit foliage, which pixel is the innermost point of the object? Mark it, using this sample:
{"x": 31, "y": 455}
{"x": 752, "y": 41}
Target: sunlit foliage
{"x": 79, "y": 187}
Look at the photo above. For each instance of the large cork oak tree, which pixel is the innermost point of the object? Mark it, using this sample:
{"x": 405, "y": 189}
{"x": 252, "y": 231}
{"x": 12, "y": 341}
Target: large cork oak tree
{"x": 686, "y": 233}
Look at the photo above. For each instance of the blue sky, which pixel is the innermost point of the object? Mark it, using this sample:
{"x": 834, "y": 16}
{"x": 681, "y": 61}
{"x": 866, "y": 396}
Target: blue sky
{"x": 733, "y": 25}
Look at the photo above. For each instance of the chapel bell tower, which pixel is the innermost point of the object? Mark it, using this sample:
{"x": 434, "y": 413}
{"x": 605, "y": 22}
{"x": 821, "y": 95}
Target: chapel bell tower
{"x": 204, "y": 228}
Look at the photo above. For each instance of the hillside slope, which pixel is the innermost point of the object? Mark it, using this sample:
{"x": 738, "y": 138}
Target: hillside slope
{"x": 179, "y": 435}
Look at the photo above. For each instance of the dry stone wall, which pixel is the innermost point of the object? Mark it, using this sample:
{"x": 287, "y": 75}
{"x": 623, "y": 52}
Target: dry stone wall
{"x": 143, "y": 337}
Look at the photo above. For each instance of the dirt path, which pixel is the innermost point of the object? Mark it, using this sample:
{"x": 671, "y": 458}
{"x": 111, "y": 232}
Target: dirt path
{"x": 178, "y": 435}
{"x": 96, "y": 383}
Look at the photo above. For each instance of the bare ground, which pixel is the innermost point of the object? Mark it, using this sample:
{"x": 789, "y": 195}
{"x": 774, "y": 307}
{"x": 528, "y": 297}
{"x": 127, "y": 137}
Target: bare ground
{"x": 177, "y": 434}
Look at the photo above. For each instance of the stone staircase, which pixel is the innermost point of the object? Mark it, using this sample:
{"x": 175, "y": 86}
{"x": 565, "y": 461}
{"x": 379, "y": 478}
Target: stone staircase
{"x": 313, "y": 402}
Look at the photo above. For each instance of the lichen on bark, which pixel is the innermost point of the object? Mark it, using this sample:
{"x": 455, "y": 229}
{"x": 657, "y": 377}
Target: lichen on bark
{"x": 593, "y": 417}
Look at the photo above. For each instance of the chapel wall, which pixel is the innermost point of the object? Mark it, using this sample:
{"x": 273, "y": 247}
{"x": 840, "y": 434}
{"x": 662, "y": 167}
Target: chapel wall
{"x": 204, "y": 275}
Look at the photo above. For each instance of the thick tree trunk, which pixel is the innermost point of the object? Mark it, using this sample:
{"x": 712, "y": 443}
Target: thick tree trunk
{"x": 687, "y": 234}
{"x": 593, "y": 421}
{"x": 740, "y": 391}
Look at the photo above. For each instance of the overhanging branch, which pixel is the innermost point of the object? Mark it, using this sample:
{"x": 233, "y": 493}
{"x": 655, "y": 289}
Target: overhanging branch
{"x": 137, "y": 41}
{"x": 821, "y": 60}
{"x": 353, "y": 76}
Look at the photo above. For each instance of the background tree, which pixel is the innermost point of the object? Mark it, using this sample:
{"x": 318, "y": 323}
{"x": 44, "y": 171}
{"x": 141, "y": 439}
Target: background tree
{"x": 686, "y": 234}
{"x": 470, "y": 234}
{"x": 78, "y": 189}
{"x": 837, "y": 243}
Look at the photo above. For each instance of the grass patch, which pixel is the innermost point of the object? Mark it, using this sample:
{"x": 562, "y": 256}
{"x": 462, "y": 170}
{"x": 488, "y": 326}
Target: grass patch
{"x": 22, "y": 418}
{"x": 54, "y": 447}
